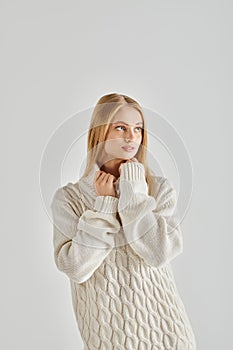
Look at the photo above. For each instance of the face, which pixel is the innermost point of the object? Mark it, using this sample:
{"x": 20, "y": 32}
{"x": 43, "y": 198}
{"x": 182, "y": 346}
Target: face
{"x": 125, "y": 134}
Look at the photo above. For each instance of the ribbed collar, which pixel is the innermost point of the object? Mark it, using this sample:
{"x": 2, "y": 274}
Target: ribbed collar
{"x": 86, "y": 185}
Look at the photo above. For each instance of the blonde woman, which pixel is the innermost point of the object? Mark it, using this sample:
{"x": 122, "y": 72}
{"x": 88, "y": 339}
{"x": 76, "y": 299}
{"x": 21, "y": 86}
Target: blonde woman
{"x": 115, "y": 233}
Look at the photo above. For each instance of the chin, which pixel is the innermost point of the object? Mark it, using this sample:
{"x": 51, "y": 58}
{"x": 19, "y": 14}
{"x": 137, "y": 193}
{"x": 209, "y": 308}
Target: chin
{"x": 126, "y": 157}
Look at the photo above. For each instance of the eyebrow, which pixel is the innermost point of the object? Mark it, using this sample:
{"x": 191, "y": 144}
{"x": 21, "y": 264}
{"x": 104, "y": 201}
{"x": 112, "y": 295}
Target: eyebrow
{"x": 119, "y": 121}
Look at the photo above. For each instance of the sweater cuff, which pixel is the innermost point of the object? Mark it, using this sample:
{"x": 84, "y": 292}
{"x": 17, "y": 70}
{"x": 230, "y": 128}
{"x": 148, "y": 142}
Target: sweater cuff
{"x": 132, "y": 179}
{"x": 132, "y": 171}
{"x": 106, "y": 204}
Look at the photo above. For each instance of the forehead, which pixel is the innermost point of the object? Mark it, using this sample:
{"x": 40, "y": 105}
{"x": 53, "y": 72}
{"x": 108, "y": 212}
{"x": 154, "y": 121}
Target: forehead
{"x": 128, "y": 115}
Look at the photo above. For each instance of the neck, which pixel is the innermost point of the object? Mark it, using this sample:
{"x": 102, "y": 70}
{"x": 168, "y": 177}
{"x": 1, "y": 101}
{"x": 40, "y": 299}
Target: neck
{"x": 112, "y": 167}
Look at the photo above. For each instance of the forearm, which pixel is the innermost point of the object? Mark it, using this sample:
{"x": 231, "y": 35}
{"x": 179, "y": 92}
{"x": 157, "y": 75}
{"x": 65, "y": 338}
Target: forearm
{"x": 81, "y": 242}
{"x": 77, "y": 261}
{"x": 155, "y": 238}
{"x": 149, "y": 222}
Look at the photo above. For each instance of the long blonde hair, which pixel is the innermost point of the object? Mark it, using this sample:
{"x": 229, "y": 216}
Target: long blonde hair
{"x": 102, "y": 116}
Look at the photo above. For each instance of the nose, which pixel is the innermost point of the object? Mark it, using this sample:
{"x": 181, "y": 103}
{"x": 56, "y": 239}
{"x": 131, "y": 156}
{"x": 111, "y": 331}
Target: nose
{"x": 130, "y": 135}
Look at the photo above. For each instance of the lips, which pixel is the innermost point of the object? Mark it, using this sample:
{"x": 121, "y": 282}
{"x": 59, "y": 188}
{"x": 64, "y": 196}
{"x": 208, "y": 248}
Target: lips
{"x": 128, "y": 148}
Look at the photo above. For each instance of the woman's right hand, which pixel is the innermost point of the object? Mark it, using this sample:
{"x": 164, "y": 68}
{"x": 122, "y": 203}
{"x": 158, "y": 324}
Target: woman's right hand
{"x": 103, "y": 184}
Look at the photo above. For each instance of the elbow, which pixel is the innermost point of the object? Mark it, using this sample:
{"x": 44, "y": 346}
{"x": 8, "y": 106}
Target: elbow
{"x": 60, "y": 264}
{"x": 172, "y": 249}
{"x": 177, "y": 242}
{"x": 65, "y": 265}
{"x": 167, "y": 250}
{"x": 174, "y": 245}
{"x": 70, "y": 271}
{"x": 76, "y": 271}
{"x": 161, "y": 260}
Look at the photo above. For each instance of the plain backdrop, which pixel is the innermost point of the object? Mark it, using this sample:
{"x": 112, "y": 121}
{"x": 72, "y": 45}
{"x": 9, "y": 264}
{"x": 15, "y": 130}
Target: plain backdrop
{"x": 58, "y": 58}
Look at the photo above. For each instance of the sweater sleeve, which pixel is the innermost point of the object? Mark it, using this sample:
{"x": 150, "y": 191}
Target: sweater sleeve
{"x": 82, "y": 238}
{"x": 150, "y": 223}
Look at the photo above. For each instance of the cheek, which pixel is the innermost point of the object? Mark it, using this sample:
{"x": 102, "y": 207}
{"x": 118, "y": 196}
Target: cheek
{"x": 114, "y": 135}
{"x": 112, "y": 144}
{"x": 139, "y": 139}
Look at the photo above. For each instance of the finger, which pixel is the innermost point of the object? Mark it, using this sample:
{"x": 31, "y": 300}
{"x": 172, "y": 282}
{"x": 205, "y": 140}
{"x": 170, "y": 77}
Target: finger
{"x": 97, "y": 174}
{"x": 102, "y": 176}
{"x": 111, "y": 178}
{"x": 106, "y": 176}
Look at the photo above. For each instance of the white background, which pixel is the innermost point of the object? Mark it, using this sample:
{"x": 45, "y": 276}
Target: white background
{"x": 59, "y": 57}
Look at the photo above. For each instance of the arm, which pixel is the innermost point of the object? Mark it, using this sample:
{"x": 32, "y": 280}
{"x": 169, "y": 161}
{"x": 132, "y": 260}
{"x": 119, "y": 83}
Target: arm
{"x": 82, "y": 239}
{"x": 149, "y": 222}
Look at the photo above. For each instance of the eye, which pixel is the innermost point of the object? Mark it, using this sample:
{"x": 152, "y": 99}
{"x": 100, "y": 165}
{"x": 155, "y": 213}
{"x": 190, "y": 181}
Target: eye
{"x": 120, "y": 126}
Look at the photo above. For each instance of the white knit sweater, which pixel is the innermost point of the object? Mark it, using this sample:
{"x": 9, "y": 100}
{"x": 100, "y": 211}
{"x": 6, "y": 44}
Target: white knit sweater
{"x": 116, "y": 252}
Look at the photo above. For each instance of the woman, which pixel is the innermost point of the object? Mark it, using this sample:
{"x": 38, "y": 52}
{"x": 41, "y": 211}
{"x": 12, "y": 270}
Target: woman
{"x": 115, "y": 233}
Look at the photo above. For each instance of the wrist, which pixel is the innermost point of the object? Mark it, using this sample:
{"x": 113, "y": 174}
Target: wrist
{"x": 106, "y": 204}
{"x": 132, "y": 179}
{"x": 132, "y": 171}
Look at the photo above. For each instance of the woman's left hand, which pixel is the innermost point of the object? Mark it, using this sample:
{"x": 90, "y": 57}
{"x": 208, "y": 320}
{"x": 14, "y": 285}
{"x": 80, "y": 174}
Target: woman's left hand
{"x": 129, "y": 160}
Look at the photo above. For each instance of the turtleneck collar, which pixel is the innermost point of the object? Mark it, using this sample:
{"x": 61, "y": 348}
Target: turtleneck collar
{"x": 86, "y": 185}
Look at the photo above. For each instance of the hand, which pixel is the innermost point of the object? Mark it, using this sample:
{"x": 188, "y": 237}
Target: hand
{"x": 104, "y": 184}
{"x": 129, "y": 160}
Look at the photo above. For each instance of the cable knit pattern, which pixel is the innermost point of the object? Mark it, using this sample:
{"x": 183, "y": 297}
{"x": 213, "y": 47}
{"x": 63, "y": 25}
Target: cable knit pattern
{"x": 123, "y": 289}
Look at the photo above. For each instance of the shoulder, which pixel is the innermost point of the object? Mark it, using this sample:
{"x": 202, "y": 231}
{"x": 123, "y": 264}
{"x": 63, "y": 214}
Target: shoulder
{"x": 68, "y": 195}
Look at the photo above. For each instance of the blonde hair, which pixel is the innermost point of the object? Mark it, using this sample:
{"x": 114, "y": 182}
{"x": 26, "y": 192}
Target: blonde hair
{"x": 102, "y": 116}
